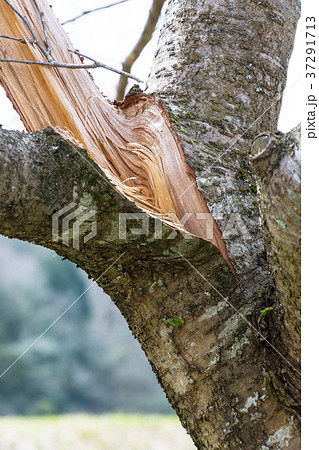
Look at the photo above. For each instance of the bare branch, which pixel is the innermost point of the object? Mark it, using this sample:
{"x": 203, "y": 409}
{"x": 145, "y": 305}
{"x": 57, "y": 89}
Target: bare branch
{"x": 93, "y": 10}
{"x": 25, "y": 20}
{"x": 46, "y": 36}
{"x": 47, "y": 50}
{"x": 45, "y": 32}
{"x": 94, "y": 65}
{"x": 144, "y": 39}
{"x": 99, "y": 64}
{"x": 23, "y": 41}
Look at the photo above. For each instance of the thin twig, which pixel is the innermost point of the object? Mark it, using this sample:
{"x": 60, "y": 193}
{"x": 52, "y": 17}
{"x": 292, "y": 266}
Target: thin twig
{"x": 37, "y": 6}
{"x": 46, "y": 36}
{"x": 99, "y": 64}
{"x": 45, "y": 32}
{"x": 144, "y": 39}
{"x": 25, "y": 20}
{"x": 47, "y": 51}
{"x": 23, "y": 41}
{"x": 93, "y": 10}
{"x": 94, "y": 65}
{"x": 76, "y": 52}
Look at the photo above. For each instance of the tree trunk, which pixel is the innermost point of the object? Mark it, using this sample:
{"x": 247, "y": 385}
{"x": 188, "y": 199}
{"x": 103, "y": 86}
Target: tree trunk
{"x": 218, "y": 341}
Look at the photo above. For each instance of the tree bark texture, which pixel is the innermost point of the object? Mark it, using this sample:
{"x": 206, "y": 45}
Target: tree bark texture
{"x": 276, "y": 158}
{"x": 220, "y": 71}
{"x": 227, "y": 88}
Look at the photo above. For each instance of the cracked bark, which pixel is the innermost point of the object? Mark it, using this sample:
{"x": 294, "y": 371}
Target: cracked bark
{"x": 226, "y": 383}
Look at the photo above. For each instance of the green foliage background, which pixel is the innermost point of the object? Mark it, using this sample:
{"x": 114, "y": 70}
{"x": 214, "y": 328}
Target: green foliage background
{"x": 88, "y": 361}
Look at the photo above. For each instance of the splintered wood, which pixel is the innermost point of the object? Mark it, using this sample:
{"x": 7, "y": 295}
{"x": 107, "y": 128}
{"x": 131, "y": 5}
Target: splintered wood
{"x": 134, "y": 143}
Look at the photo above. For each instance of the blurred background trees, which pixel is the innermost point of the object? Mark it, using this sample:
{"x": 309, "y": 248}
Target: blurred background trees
{"x": 91, "y": 346}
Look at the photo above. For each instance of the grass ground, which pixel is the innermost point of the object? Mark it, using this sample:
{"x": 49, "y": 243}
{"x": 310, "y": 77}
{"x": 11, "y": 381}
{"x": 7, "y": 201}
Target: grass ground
{"x": 90, "y": 432}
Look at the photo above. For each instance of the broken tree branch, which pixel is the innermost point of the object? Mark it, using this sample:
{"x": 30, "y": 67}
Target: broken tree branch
{"x": 134, "y": 143}
{"x": 144, "y": 39}
{"x": 46, "y": 51}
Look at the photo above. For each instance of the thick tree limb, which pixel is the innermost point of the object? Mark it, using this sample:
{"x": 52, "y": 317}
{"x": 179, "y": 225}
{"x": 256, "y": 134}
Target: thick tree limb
{"x": 276, "y": 159}
{"x": 154, "y": 280}
{"x": 144, "y": 39}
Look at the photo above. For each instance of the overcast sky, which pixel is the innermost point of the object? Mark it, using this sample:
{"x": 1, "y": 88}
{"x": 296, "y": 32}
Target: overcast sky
{"x": 110, "y": 34}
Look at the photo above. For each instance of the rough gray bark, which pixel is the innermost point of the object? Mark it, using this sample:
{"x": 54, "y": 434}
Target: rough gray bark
{"x": 221, "y": 69}
{"x": 276, "y": 158}
{"x": 219, "y": 66}
{"x": 227, "y": 90}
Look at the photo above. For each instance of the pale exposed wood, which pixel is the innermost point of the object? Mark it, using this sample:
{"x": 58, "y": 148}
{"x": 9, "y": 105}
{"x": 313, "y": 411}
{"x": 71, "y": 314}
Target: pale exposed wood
{"x": 134, "y": 143}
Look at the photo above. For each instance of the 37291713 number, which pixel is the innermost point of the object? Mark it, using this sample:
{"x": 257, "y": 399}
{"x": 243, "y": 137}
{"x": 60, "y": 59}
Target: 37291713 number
{"x": 310, "y": 69}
